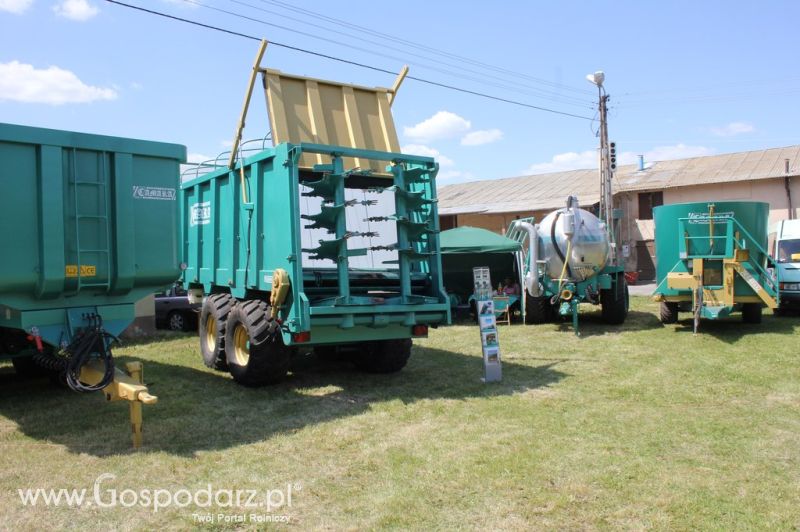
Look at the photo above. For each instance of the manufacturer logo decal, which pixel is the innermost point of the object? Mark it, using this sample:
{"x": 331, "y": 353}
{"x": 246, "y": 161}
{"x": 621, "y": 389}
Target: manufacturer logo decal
{"x": 200, "y": 213}
{"x": 699, "y": 218}
{"x": 154, "y": 193}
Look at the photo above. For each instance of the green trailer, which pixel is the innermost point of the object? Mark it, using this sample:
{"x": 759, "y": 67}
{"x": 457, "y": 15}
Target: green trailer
{"x": 338, "y": 259}
{"x": 91, "y": 227}
{"x": 712, "y": 260}
{"x": 91, "y": 224}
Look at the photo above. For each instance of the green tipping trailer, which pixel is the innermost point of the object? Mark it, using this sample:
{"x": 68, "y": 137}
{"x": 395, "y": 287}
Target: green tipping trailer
{"x": 286, "y": 256}
{"x": 90, "y": 227}
{"x": 712, "y": 260}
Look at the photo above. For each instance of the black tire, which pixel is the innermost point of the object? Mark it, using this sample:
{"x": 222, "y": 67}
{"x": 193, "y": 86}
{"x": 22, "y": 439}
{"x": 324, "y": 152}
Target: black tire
{"x": 538, "y": 310}
{"x": 27, "y": 368}
{"x": 751, "y": 312}
{"x": 668, "y": 312}
{"x": 176, "y": 321}
{"x": 384, "y": 356}
{"x": 216, "y": 309}
{"x": 256, "y": 354}
{"x": 614, "y": 302}
{"x": 327, "y": 353}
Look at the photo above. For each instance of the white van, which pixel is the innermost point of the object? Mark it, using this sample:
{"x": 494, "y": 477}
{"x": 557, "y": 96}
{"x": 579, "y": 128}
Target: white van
{"x": 784, "y": 246}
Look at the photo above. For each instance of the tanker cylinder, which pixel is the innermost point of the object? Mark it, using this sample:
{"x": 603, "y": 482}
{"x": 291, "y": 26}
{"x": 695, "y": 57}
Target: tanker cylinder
{"x": 579, "y": 232}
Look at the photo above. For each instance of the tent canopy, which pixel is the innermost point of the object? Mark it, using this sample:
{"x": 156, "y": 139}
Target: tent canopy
{"x": 475, "y": 240}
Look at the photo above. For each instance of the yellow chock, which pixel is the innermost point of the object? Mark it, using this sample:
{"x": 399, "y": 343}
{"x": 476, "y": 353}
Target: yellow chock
{"x": 127, "y": 385}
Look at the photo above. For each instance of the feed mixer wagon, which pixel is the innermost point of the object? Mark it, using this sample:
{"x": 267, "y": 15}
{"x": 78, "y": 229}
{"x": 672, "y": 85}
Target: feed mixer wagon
{"x": 712, "y": 260}
{"x": 327, "y": 240}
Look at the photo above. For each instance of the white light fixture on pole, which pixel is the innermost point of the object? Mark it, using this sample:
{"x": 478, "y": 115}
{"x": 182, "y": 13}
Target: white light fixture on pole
{"x": 597, "y": 78}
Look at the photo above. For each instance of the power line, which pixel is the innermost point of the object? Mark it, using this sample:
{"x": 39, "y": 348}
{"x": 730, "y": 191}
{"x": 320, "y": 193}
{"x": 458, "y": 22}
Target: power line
{"x": 344, "y": 23}
{"x": 538, "y": 92}
{"x": 347, "y": 61}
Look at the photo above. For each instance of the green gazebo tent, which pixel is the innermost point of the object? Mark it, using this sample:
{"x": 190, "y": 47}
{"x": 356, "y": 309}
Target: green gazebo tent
{"x": 475, "y": 240}
{"x": 464, "y": 248}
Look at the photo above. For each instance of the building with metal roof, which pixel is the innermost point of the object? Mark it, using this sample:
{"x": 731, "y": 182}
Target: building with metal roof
{"x": 769, "y": 175}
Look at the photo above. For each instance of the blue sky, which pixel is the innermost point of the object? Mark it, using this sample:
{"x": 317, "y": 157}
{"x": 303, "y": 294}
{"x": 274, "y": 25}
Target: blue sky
{"x": 685, "y": 78}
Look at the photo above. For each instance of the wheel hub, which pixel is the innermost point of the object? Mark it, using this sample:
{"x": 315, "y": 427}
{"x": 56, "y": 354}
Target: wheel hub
{"x": 211, "y": 333}
{"x": 241, "y": 345}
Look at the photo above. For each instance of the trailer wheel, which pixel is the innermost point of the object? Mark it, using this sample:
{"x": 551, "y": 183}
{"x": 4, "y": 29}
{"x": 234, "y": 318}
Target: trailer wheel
{"x": 538, "y": 309}
{"x": 26, "y": 368}
{"x": 213, "y": 318}
{"x": 614, "y": 302}
{"x": 751, "y": 313}
{"x": 668, "y": 312}
{"x": 256, "y": 356}
{"x": 384, "y": 356}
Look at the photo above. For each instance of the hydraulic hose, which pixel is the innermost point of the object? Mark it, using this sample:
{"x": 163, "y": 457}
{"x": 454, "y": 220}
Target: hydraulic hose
{"x": 558, "y": 249}
{"x": 93, "y": 342}
{"x": 564, "y": 269}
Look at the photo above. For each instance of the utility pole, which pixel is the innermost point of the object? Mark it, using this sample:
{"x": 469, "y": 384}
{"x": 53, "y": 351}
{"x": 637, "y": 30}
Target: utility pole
{"x": 608, "y": 164}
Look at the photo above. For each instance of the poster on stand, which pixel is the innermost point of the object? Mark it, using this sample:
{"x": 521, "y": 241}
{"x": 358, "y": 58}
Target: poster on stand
{"x": 484, "y": 306}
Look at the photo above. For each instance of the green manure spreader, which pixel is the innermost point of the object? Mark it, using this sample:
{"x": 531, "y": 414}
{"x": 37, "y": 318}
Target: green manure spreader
{"x": 327, "y": 240}
{"x": 336, "y": 257}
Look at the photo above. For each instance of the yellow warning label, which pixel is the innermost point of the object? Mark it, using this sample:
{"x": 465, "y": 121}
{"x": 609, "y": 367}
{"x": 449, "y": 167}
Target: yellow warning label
{"x": 86, "y": 270}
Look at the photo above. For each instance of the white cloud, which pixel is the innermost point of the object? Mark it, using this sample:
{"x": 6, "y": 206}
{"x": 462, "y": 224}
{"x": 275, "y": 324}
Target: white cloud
{"x": 565, "y": 161}
{"x": 666, "y": 153}
{"x": 197, "y": 158}
{"x": 732, "y": 129}
{"x": 20, "y": 82}
{"x": 589, "y": 159}
{"x": 425, "y": 151}
{"x": 482, "y": 136}
{"x": 451, "y": 176}
{"x": 447, "y": 170}
{"x": 15, "y": 6}
{"x": 443, "y": 125}
{"x": 80, "y": 10}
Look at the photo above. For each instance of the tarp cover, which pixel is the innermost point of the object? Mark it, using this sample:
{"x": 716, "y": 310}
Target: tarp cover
{"x": 475, "y": 240}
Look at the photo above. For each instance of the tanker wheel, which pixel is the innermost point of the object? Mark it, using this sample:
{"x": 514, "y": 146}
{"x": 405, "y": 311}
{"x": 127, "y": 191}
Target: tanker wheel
{"x": 668, "y": 312}
{"x": 614, "y": 302}
{"x": 383, "y": 356}
{"x": 213, "y": 320}
{"x": 256, "y": 354}
{"x": 538, "y": 309}
{"x": 751, "y": 313}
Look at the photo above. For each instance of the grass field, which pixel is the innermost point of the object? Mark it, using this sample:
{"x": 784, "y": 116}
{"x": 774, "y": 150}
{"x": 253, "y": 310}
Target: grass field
{"x": 643, "y": 426}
